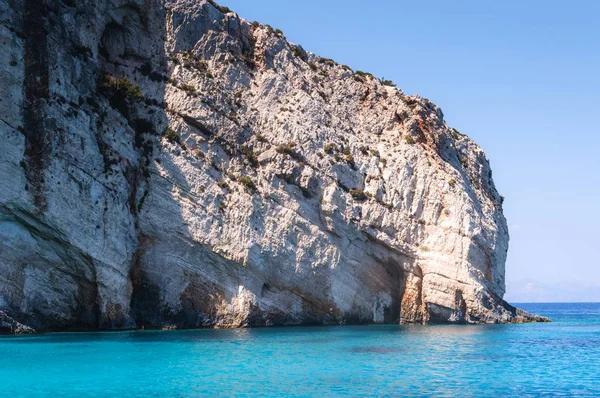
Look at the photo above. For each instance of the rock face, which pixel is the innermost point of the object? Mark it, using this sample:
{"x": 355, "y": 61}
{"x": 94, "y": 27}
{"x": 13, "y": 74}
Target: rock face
{"x": 166, "y": 163}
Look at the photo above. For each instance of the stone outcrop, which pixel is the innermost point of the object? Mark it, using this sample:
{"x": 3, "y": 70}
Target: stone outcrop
{"x": 169, "y": 164}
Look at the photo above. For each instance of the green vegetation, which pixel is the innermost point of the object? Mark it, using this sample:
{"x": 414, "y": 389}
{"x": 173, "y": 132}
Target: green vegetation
{"x": 327, "y": 61}
{"x": 312, "y": 66}
{"x": 299, "y": 53}
{"x": 349, "y": 159}
{"x": 411, "y": 102}
{"x": 120, "y": 92}
{"x": 329, "y": 148}
{"x": 171, "y": 135}
{"x": 250, "y": 63}
{"x": 410, "y": 140}
{"x": 195, "y": 64}
{"x": 248, "y": 51}
{"x": 348, "y": 156}
{"x": 198, "y": 152}
{"x": 224, "y": 10}
{"x": 358, "y": 194}
{"x": 247, "y": 183}
{"x": 122, "y": 86}
{"x": 457, "y": 134}
{"x": 288, "y": 149}
{"x": 251, "y": 39}
{"x": 387, "y": 82}
{"x": 189, "y": 88}
{"x": 365, "y": 95}
{"x": 360, "y": 73}
{"x": 250, "y": 156}
{"x": 452, "y": 182}
{"x": 190, "y": 61}
{"x": 259, "y": 137}
{"x": 223, "y": 185}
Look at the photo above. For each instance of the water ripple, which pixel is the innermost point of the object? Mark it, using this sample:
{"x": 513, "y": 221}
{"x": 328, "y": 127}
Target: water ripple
{"x": 557, "y": 359}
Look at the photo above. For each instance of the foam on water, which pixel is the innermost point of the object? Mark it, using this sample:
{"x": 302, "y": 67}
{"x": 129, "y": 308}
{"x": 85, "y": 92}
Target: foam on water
{"x": 559, "y": 358}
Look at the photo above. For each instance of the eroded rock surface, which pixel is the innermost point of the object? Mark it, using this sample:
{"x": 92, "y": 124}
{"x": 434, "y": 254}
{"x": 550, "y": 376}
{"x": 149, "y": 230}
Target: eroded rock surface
{"x": 171, "y": 164}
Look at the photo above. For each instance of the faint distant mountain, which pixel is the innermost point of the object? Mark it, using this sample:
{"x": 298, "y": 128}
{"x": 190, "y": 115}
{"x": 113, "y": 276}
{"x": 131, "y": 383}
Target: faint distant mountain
{"x": 572, "y": 290}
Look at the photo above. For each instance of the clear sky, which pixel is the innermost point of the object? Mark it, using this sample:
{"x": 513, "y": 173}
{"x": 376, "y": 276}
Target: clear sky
{"x": 521, "y": 78}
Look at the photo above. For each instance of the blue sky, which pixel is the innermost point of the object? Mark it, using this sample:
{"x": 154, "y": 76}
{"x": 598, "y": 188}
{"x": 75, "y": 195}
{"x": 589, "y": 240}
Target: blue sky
{"x": 520, "y": 78}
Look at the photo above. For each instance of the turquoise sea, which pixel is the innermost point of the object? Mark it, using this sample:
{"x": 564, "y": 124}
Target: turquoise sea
{"x": 556, "y": 359}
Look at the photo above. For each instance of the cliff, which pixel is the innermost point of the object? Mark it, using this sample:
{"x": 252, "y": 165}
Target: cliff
{"x": 169, "y": 164}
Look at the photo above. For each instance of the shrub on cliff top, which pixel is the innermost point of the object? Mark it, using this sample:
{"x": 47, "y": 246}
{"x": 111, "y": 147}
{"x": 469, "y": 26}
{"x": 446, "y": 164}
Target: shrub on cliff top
{"x": 223, "y": 9}
{"x": 457, "y": 134}
{"x": 411, "y": 102}
{"x": 363, "y": 74}
{"x": 300, "y": 53}
{"x": 327, "y": 61}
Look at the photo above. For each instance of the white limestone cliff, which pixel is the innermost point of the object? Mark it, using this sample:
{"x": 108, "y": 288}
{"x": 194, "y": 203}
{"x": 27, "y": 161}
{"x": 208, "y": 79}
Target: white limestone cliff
{"x": 167, "y": 163}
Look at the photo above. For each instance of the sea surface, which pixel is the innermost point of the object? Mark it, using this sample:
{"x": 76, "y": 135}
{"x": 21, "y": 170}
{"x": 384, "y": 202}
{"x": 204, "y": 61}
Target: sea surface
{"x": 561, "y": 358}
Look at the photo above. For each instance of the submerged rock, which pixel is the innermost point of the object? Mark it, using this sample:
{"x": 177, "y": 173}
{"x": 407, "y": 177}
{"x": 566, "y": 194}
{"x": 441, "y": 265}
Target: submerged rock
{"x": 169, "y": 164}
